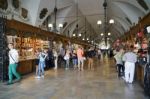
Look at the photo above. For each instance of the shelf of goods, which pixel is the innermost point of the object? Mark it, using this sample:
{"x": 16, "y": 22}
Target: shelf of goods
{"x": 26, "y": 47}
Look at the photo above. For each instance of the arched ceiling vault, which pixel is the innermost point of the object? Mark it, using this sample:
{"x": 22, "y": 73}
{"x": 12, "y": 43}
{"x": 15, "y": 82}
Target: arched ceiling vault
{"x": 124, "y": 12}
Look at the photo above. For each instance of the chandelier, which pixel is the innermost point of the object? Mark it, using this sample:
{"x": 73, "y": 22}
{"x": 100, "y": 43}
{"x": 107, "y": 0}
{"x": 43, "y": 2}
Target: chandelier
{"x": 105, "y": 21}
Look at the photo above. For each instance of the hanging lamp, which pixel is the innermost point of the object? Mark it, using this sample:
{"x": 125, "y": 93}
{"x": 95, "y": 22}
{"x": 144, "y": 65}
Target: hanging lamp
{"x": 55, "y": 17}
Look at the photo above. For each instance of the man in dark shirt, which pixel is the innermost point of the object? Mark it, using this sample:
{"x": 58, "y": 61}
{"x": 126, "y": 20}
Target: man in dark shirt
{"x": 91, "y": 54}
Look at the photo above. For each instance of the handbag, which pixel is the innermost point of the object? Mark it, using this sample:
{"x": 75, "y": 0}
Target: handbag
{"x": 66, "y": 57}
{"x": 84, "y": 58}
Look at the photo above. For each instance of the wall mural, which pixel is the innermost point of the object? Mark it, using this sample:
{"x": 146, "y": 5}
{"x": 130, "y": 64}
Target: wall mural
{"x": 15, "y": 4}
{"x": 3, "y": 4}
{"x": 43, "y": 13}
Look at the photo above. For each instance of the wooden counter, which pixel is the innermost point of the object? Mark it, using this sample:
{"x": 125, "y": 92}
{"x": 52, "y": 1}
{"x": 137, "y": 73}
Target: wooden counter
{"x": 26, "y": 66}
{"x": 140, "y": 74}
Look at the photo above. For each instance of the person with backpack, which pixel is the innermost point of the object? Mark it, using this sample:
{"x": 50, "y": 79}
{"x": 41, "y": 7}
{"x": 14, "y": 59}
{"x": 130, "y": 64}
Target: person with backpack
{"x": 91, "y": 54}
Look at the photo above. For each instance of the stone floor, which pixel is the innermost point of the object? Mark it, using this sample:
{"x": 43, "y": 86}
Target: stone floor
{"x": 101, "y": 83}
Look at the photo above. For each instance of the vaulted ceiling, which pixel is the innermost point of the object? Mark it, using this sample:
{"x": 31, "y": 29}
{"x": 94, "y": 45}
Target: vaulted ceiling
{"x": 124, "y": 12}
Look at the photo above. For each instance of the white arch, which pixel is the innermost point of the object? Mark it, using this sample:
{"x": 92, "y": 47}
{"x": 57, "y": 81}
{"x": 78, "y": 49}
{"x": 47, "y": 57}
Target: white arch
{"x": 131, "y": 11}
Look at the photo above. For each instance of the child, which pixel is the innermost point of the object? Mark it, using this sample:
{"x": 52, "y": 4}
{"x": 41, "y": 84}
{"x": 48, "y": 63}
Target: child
{"x": 42, "y": 57}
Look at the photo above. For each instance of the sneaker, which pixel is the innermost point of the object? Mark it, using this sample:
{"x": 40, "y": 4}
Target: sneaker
{"x": 123, "y": 77}
{"x": 130, "y": 82}
{"x": 38, "y": 77}
{"x": 19, "y": 79}
{"x": 79, "y": 69}
{"x": 8, "y": 83}
{"x": 42, "y": 76}
{"x": 66, "y": 68}
{"x": 82, "y": 69}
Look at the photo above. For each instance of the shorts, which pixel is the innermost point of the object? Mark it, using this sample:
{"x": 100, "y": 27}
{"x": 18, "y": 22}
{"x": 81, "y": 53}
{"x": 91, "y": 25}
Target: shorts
{"x": 36, "y": 61}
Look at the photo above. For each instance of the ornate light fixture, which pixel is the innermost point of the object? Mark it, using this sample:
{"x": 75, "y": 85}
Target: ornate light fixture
{"x": 111, "y": 21}
{"x": 80, "y": 35}
{"x": 99, "y": 22}
{"x": 105, "y": 19}
{"x": 55, "y": 16}
{"x": 102, "y": 34}
{"x": 50, "y": 25}
{"x": 74, "y": 34}
{"x": 87, "y": 39}
{"x": 109, "y": 34}
{"x": 60, "y": 25}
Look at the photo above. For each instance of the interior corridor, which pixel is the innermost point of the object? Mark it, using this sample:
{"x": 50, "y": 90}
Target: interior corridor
{"x": 101, "y": 83}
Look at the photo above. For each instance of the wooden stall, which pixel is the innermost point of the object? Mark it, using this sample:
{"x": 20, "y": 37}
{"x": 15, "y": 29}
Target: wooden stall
{"x": 131, "y": 35}
{"x": 27, "y": 39}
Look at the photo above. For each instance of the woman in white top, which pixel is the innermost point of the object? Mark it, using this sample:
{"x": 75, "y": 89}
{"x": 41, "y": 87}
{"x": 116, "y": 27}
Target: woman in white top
{"x": 55, "y": 58}
{"x": 67, "y": 58}
{"x": 119, "y": 62}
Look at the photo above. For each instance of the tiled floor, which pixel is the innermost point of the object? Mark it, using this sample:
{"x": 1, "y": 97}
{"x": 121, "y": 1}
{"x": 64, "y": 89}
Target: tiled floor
{"x": 101, "y": 83}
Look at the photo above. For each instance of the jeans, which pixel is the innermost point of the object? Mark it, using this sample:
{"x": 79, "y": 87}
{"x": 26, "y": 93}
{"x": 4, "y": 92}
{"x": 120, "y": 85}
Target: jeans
{"x": 120, "y": 68}
{"x": 80, "y": 63}
{"x": 75, "y": 62}
{"x": 41, "y": 68}
{"x": 12, "y": 71}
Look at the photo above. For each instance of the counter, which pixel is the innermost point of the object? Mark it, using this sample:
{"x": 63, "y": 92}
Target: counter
{"x": 140, "y": 70}
{"x": 26, "y": 66}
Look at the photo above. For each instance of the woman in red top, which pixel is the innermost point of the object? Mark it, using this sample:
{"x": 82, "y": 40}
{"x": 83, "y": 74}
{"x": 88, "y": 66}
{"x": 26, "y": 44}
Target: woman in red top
{"x": 80, "y": 58}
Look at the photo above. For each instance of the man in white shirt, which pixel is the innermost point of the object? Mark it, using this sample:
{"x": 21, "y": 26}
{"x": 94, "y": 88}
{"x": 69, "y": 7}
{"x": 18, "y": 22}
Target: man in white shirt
{"x": 13, "y": 63}
{"x": 130, "y": 59}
